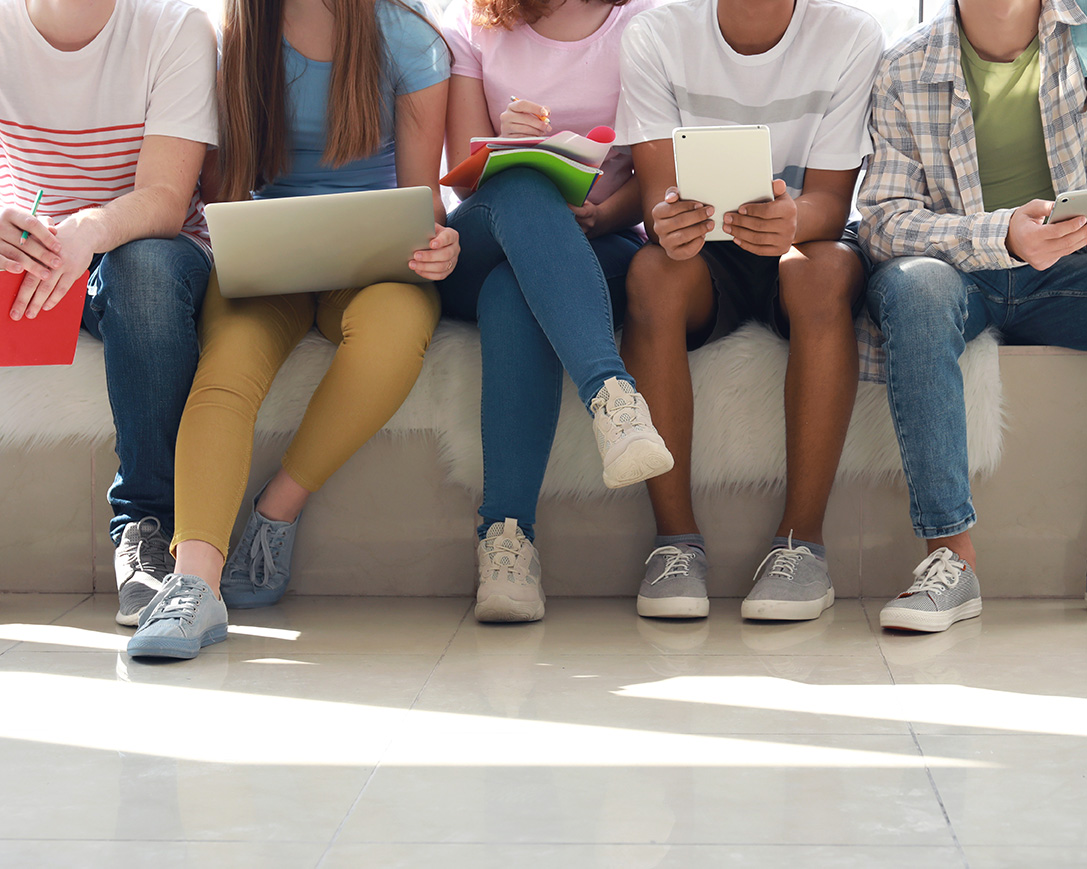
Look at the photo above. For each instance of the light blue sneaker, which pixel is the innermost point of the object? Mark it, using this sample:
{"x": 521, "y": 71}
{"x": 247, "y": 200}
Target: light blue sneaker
{"x": 258, "y": 569}
{"x": 182, "y": 618}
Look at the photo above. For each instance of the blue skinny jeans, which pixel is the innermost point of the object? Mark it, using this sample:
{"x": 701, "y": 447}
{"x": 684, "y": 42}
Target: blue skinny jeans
{"x": 142, "y": 302}
{"x": 544, "y": 297}
{"x": 927, "y": 311}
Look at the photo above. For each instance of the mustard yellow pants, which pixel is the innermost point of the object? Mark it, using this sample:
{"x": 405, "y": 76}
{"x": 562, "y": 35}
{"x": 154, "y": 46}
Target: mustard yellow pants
{"x": 381, "y": 333}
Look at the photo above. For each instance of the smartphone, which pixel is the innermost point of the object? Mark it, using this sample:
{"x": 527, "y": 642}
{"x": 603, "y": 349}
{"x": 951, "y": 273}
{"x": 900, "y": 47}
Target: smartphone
{"x": 1073, "y": 203}
{"x": 724, "y": 167}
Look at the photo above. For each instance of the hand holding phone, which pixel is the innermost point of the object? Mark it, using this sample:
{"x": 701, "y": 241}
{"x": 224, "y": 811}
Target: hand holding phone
{"x": 1072, "y": 203}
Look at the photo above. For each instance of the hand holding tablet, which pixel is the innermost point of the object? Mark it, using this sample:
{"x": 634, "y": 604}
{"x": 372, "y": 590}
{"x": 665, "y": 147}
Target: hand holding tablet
{"x": 724, "y": 167}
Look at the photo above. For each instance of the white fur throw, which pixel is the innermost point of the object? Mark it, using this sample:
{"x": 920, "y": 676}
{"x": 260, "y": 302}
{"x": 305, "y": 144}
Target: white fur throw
{"x": 739, "y": 420}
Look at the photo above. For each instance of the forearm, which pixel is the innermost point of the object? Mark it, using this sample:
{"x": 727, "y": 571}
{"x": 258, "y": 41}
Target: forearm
{"x": 150, "y": 212}
{"x": 895, "y": 228}
{"x": 622, "y": 209}
{"x": 439, "y": 206}
{"x": 820, "y": 216}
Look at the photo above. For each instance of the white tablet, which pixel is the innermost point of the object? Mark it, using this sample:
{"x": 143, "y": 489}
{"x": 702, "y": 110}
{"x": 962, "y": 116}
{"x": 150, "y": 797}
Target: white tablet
{"x": 333, "y": 241}
{"x": 725, "y": 167}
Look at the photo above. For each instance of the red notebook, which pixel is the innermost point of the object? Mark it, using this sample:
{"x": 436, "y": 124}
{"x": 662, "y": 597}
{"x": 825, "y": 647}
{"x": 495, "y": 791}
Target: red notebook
{"x": 48, "y": 339}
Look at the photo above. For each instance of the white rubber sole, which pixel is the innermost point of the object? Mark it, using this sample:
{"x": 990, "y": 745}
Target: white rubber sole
{"x": 129, "y": 621}
{"x": 673, "y": 607}
{"x": 640, "y": 460}
{"x": 902, "y": 619}
{"x": 787, "y": 610}
{"x": 500, "y": 608}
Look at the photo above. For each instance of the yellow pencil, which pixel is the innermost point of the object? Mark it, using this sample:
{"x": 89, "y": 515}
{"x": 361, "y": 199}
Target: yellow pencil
{"x": 545, "y": 117}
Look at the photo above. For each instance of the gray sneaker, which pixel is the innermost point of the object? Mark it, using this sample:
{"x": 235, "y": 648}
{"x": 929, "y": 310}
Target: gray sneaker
{"x": 675, "y": 584}
{"x": 509, "y": 576}
{"x": 141, "y": 561}
{"x": 945, "y": 590}
{"x": 791, "y": 584}
{"x": 259, "y": 567}
{"x": 183, "y": 618}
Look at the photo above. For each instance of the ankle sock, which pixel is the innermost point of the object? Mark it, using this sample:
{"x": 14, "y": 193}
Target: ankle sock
{"x": 817, "y": 549}
{"x": 695, "y": 540}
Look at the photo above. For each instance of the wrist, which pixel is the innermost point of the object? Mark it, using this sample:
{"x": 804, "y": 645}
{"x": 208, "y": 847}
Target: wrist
{"x": 90, "y": 230}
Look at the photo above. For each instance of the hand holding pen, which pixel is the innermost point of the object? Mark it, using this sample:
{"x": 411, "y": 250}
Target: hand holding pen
{"x": 525, "y": 118}
{"x": 27, "y": 243}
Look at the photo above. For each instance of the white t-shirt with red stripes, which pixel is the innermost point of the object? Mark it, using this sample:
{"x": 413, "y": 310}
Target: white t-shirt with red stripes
{"x": 72, "y": 122}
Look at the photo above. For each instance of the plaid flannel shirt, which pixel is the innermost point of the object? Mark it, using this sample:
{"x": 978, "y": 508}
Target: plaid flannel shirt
{"x": 921, "y": 195}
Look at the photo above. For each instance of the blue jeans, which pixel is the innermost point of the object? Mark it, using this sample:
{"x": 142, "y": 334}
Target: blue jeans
{"x": 142, "y": 303}
{"x": 543, "y": 296}
{"x": 927, "y": 311}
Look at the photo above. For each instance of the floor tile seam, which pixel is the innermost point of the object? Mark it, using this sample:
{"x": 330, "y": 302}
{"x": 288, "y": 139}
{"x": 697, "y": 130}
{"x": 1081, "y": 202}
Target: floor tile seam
{"x": 129, "y": 840}
{"x": 441, "y": 656}
{"x": 879, "y": 645}
{"x": 652, "y": 844}
{"x": 331, "y": 842}
{"x": 939, "y": 798}
{"x": 83, "y": 598}
{"x": 748, "y": 735}
{"x": 456, "y": 653}
{"x": 388, "y": 743}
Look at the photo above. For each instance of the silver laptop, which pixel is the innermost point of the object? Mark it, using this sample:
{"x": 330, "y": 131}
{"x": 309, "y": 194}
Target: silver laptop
{"x": 331, "y": 241}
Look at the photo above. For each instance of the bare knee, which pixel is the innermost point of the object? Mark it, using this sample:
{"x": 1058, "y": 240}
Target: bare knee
{"x": 819, "y": 283}
{"x": 665, "y": 292}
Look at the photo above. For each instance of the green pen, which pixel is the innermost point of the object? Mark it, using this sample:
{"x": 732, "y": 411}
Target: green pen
{"x": 33, "y": 212}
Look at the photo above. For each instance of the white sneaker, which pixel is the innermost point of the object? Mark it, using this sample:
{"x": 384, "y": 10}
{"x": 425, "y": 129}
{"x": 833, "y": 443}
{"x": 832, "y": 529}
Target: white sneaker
{"x": 509, "y": 576}
{"x": 630, "y": 447}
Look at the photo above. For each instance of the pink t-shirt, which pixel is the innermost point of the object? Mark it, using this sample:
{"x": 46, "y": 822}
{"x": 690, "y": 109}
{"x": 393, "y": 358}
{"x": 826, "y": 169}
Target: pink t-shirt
{"x": 577, "y": 81}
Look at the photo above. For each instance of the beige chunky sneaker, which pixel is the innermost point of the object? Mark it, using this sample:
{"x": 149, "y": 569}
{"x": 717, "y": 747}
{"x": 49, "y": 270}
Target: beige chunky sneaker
{"x": 629, "y": 445}
{"x": 509, "y": 576}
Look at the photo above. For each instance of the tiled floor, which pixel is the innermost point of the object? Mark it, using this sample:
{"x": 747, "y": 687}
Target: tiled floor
{"x": 391, "y": 732}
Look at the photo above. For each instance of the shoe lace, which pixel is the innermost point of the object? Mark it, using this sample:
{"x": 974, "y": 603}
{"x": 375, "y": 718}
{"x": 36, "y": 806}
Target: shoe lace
{"x": 938, "y": 573}
{"x": 262, "y": 555}
{"x": 623, "y": 411}
{"x": 506, "y": 557}
{"x": 180, "y": 603}
{"x": 785, "y": 560}
{"x": 151, "y": 553}
{"x": 677, "y": 562}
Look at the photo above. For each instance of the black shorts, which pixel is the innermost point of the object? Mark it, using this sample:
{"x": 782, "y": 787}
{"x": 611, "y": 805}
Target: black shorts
{"x": 745, "y": 287}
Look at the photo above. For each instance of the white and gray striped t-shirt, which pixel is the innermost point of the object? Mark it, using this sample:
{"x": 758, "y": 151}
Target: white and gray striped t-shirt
{"x": 812, "y": 89}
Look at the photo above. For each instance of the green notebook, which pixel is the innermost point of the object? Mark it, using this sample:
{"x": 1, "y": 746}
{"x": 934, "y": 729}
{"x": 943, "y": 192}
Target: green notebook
{"x": 574, "y": 180}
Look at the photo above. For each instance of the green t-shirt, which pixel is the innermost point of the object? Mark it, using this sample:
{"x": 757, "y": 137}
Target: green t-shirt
{"x": 1007, "y": 127}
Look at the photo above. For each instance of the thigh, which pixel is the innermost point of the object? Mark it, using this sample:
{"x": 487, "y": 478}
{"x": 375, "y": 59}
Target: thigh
{"x": 480, "y": 252}
{"x": 389, "y": 308}
{"x": 1050, "y": 307}
{"x": 614, "y": 253}
{"x": 252, "y": 334}
{"x": 154, "y": 281}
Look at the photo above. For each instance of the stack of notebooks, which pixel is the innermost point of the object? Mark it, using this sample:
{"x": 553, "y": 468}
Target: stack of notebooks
{"x": 571, "y": 161}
